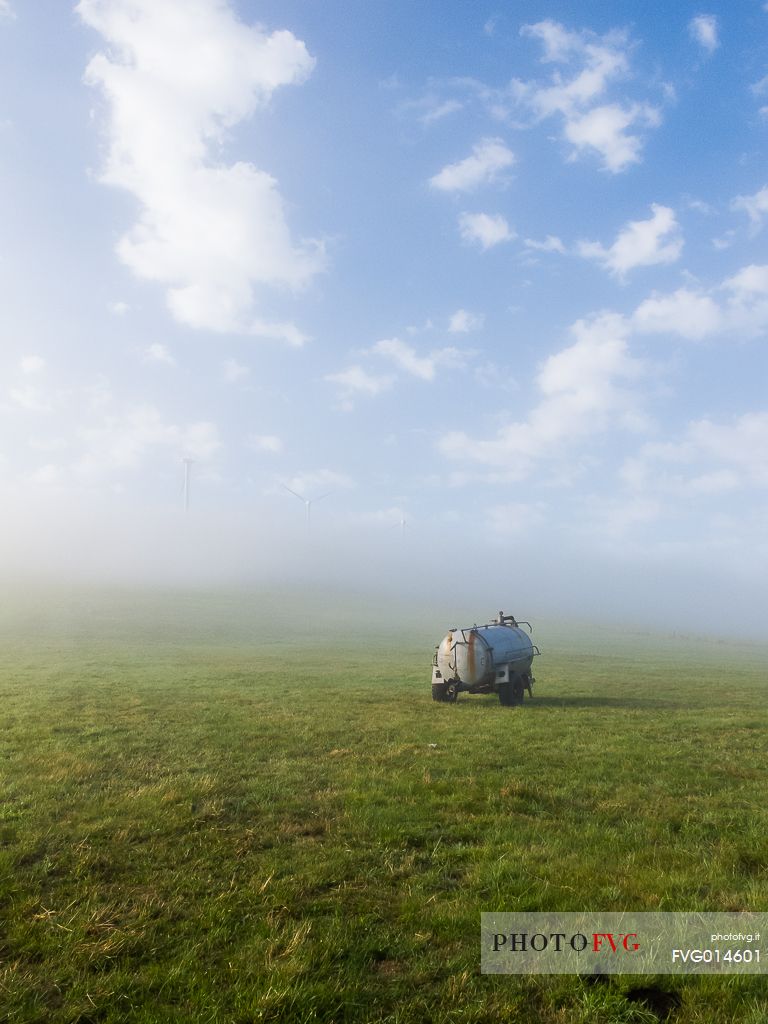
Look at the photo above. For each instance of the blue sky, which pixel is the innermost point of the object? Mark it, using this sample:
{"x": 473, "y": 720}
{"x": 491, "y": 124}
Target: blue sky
{"x": 496, "y": 271}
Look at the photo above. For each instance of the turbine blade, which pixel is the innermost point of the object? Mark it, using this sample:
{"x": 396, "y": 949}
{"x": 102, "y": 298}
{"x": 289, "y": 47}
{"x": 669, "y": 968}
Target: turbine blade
{"x": 299, "y": 496}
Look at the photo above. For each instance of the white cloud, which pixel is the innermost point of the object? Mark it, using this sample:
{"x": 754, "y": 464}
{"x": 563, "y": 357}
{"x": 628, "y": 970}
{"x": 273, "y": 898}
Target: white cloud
{"x": 312, "y": 482}
{"x": 710, "y": 459}
{"x": 441, "y": 110}
{"x": 232, "y": 370}
{"x": 742, "y": 444}
{"x": 691, "y": 314}
{"x": 176, "y": 78}
{"x": 703, "y": 29}
{"x": 725, "y": 241}
{"x": 489, "y": 157}
{"x": 700, "y": 207}
{"x": 749, "y": 281}
{"x": 559, "y": 43}
{"x": 265, "y": 443}
{"x": 462, "y": 322}
{"x": 119, "y": 308}
{"x": 550, "y": 244}
{"x": 580, "y": 394}
{"x": 696, "y": 313}
{"x": 122, "y": 442}
{"x": 755, "y": 206}
{"x": 597, "y": 62}
{"x": 604, "y": 129}
{"x": 747, "y": 307}
{"x": 6, "y": 11}
{"x": 406, "y": 358}
{"x": 32, "y": 364}
{"x": 485, "y": 228}
{"x": 641, "y": 243}
{"x": 157, "y": 353}
{"x": 491, "y": 375}
{"x": 356, "y": 379}
{"x": 435, "y": 109}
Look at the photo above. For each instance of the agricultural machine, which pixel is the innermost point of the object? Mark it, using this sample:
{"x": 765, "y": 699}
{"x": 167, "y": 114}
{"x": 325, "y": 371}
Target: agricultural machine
{"x": 495, "y": 658}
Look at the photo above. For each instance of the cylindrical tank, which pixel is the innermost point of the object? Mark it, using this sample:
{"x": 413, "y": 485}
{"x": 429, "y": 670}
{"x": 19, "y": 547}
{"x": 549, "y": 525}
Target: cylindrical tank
{"x": 473, "y": 655}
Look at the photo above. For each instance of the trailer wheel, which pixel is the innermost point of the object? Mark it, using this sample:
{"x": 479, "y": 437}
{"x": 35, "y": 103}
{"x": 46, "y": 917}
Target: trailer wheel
{"x": 510, "y": 694}
{"x": 504, "y": 691}
{"x": 440, "y": 691}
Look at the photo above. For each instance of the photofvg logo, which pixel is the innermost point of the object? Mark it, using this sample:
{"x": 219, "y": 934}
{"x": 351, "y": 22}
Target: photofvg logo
{"x": 560, "y": 942}
{"x": 627, "y": 943}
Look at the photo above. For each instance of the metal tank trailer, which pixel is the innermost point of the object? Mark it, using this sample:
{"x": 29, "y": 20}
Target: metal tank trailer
{"x": 495, "y": 658}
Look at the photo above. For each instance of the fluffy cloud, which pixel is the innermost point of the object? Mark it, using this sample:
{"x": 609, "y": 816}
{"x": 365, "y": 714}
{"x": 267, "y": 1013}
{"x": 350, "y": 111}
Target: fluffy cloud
{"x": 691, "y": 314}
{"x": 6, "y": 11}
{"x": 755, "y": 206}
{"x": 746, "y": 310}
{"x": 431, "y": 108}
{"x": 751, "y": 280}
{"x": 309, "y": 483}
{"x": 710, "y": 459}
{"x": 32, "y": 364}
{"x": 406, "y": 358}
{"x": 595, "y": 63}
{"x": 232, "y": 370}
{"x": 462, "y": 322}
{"x": 703, "y": 29}
{"x": 489, "y": 157}
{"x": 159, "y": 354}
{"x": 697, "y": 313}
{"x": 122, "y": 441}
{"x": 550, "y": 244}
{"x": 581, "y": 391}
{"x": 176, "y": 78}
{"x": 604, "y": 129}
{"x": 484, "y": 228}
{"x": 356, "y": 379}
{"x": 641, "y": 243}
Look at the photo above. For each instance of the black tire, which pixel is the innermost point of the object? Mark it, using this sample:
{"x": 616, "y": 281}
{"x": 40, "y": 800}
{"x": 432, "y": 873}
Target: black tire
{"x": 510, "y": 694}
{"x": 439, "y": 691}
{"x": 504, "y": 691}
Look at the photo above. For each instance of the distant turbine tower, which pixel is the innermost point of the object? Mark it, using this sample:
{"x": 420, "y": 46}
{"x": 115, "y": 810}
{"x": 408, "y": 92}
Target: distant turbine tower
{"x": 308, "y": 502}
{"x": 187, "y": 464}
{"x": 402, "y": 527}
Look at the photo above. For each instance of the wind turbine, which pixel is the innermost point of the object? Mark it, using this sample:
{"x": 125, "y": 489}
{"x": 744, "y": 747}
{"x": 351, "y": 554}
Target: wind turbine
{"x": 308, "y": 503}
{"x": 187, "y": 464}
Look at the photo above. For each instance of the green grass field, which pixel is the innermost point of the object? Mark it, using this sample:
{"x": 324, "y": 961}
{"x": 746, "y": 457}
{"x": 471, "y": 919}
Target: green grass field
{"x": 240, "y": 808}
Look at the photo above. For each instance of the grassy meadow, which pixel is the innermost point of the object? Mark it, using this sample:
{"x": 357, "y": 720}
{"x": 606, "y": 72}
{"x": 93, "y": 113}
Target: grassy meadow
{"x": 233, "y": 808}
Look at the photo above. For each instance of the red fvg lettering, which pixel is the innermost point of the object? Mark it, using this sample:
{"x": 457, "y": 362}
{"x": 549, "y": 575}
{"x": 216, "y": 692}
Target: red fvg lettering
{"x": 615, "y": 941}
